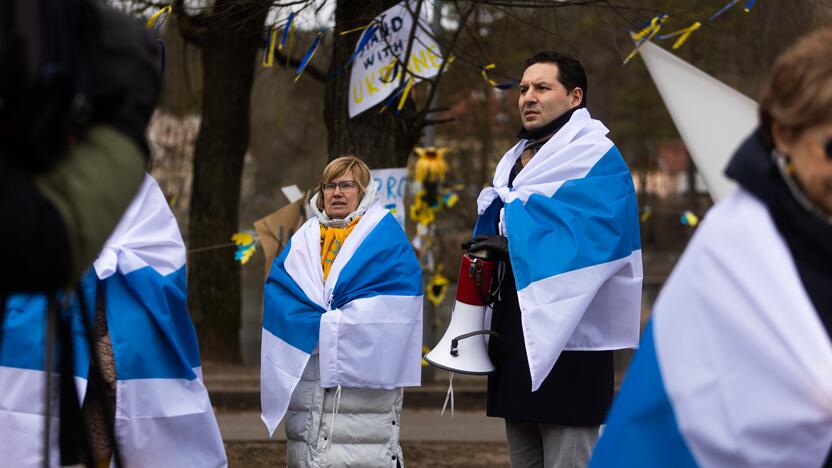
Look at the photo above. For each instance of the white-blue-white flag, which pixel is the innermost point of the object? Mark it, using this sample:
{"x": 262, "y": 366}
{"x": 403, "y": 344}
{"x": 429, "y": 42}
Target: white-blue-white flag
{"x": 572, "y": 224}
{"x": 365, "y": 320}
{"x": 735, "y": 368}
{"x": 163, "y": 415}
{"x": 23, "y": 380}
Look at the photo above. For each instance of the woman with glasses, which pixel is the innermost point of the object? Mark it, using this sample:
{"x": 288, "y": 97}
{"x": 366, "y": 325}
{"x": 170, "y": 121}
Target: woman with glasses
{"x": 735, "y": 368}
{"x": 342, "y": 328}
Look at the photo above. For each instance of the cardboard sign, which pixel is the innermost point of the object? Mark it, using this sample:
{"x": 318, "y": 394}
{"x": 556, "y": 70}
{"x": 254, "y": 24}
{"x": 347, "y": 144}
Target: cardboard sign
{"x": 275, "y": 229}
{"x": 378, "y": 57}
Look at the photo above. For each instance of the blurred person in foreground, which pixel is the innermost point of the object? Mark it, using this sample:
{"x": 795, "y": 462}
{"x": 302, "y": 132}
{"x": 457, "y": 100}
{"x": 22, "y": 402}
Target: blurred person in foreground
{"x": 735, "y": 368}
{"x": 78, "y": 84}
{"x": 147, "y": 387}
{"x": 342, "y": 328}
{"x": 563, "y": 219}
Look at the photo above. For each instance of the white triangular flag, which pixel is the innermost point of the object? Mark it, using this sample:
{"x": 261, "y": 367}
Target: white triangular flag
{"x": 712, "y": 118}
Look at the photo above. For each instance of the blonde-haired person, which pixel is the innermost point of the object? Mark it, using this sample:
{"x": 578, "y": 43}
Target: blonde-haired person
{"x": 735, "y": 368}
{"x": 342, "y": 328}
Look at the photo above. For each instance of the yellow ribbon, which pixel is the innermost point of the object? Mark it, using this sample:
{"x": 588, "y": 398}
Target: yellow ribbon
{"x": 683, "y": 34}
{"x": 484, "y": 72}
{"x": 643, "y": 36}
{"x": 152, "y": 21}
{"x": 360, "y": 28}
{"x": 268, "y": 59}
{"x": 403, "y": 99}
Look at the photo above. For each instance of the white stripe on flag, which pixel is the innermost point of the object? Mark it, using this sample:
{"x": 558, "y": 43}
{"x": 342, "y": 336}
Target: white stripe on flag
{"x": 559, "y": 313}
{"x": 189, "y": 440}
{"x": 161, "y": 398}
{"x": 388, "y": 326}
{"x": 167, "y": 422}
{"x": 280, "y": 370}
{"x": 146, "y": 235}
{"x": 22, "y": 394}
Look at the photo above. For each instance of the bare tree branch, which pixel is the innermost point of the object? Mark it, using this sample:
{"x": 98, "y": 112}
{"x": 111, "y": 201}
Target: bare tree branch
{"x": 189, "y": 25}
{"x": 415, "y": 18}
{"x": 435, "y": 83}
{"x": 429, "y": 122}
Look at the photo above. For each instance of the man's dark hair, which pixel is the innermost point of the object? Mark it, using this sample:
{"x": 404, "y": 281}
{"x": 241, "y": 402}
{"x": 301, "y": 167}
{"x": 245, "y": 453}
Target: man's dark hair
{"x": 570, "y": 71}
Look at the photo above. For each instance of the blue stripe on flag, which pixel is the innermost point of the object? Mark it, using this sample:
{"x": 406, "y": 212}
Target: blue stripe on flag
{"x": 298, "y": 322}
{"x": 23, "y": 335}
{"x": 383, "y": 265}
{"x": 588, "y": 221}
{"x": 487, "y": 222}
{"x": 641, "y": 429}
{"x": 149, "y": 325}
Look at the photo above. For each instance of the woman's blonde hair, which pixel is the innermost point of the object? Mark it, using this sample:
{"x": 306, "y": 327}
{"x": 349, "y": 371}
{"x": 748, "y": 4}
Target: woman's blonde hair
{"x": 798, "y": 93}
{"x": 340, "y": 166}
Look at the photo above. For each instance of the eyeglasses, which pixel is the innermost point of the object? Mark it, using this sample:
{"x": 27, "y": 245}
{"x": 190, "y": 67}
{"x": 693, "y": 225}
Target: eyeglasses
{"x": 344, "y": 185}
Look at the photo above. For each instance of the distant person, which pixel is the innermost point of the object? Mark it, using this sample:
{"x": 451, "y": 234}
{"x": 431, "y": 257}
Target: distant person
{"x": 342, "y": 328}
{"x": 735, "y": 368}
{"x": 562, "y": 216}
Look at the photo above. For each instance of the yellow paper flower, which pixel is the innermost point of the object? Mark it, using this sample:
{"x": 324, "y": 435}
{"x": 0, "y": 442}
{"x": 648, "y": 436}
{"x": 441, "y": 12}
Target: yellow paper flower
{"x": 689, "y": 218}
{"x": 242, "y": 238}
{"x": 437, "y": 288}
{"x": 431, "y": 164}
{"x": 246, "y": 245}
{"x": 420, "y": 211}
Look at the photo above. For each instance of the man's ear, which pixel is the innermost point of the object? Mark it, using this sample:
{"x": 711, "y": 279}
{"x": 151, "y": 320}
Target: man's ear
{"x": 577, "y": 97}
{"x": 782, "y": 137}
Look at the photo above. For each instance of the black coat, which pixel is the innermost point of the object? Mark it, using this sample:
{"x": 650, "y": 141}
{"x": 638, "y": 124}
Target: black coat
{"x": 577, "y": 392}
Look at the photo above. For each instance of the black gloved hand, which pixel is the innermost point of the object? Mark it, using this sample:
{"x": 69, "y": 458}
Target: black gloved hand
{"x": 124, "y": 78}
{"x": 496, "y": 246}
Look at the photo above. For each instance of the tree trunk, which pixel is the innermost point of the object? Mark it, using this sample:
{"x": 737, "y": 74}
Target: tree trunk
{"x": 229, "y": 48}
{"x": 381, "y": 140}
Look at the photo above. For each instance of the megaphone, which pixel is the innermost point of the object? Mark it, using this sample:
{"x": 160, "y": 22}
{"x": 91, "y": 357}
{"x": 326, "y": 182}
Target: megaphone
{"x": 463, "y": 348}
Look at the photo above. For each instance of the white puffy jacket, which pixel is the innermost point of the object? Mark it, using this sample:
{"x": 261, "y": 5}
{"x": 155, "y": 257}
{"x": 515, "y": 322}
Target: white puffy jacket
{"x": 366, "y": 425}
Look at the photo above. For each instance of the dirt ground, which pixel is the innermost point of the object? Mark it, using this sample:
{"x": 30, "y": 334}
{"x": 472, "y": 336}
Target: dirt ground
{"x": 416, "y": 454}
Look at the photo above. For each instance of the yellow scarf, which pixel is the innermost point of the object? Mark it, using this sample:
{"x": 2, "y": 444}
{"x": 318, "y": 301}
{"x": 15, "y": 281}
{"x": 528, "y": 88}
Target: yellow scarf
{"x": 332, "y": 238}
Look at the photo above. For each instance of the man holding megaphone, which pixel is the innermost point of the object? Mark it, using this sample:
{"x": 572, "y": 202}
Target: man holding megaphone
{"x": 562, "y": 218}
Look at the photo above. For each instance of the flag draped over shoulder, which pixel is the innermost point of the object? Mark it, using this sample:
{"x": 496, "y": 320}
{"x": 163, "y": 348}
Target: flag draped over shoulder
{"x": 365, "y": 320}
{"x": 163, "y": 415}
{"x": 735, "y": 368}
{"x": 571, "y": 220}
{"x": 23, "y": 380}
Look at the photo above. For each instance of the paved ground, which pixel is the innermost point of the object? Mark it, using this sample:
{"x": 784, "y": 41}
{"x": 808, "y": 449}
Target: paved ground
{"x": 417, "y": 426}
{"x": 416, "y": 454}
{"x": 429, "y": 440}
{"x": 470, "y": 439}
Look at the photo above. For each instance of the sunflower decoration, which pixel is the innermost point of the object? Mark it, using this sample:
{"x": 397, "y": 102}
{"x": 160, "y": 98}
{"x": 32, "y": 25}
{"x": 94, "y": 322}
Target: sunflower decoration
{"x": 430, "y": 171}
{"x": 437, "y": 288}
{"x": 420, "y": 211}
{"x": 430, "y": 165}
